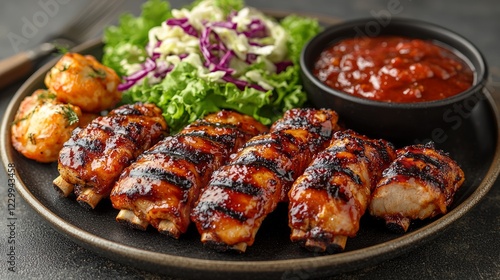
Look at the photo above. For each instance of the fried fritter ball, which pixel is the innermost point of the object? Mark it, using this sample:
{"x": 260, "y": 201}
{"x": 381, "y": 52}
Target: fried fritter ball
{"x": 83, "y": 81}
{"x": 42, "y": 125}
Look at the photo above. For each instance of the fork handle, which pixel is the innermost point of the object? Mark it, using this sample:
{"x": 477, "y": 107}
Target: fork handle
{"x": 14, "y": 68}
{"x": 20, "y": 65}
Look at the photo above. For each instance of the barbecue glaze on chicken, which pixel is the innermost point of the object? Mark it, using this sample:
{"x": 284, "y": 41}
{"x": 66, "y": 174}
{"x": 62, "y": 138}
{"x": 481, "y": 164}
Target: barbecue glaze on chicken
{"x": 161, "y": 187}
{"x": 93, "y": 158}
{"x": 329, "y": 199}
{"x": 243, "y": 192}
{"x": 419, "y": 184}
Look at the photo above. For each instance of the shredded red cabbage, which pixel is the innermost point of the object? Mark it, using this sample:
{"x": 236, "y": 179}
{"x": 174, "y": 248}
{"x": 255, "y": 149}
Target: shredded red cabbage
{"x": 257, "y": 29}
{"x": 159, "y": 70}
{"x": 150, "y": 49}
{"x": 281, "y": 66}
{"x": 184, "y": 24}
{"x": 148, "y": 66}
{"x": 242, "y": 84}
{"x": 225, "y": 24}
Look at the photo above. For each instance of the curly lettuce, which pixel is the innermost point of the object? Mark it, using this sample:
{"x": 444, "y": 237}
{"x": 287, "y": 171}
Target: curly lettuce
{"x": 124, "y": 43}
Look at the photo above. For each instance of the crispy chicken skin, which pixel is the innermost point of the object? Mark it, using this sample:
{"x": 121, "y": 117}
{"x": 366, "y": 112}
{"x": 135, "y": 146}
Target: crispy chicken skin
{"x": 83, "y": 81}
{"x": 94, "y": 157}
{"x": 419, "y": 184}
{"x": 243, "y": 192}
{"x": 42, "y": 125}
{"x": 328, "y": 200}
{"x": 161, "y": 187}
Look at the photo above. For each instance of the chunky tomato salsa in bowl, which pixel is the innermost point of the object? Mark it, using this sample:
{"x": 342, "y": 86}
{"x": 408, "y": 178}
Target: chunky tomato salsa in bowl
{"x": 403, "y": 79}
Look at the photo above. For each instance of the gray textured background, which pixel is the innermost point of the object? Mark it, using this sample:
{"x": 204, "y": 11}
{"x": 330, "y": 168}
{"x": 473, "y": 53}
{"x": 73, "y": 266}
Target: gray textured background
{"x": 468, "y": 250}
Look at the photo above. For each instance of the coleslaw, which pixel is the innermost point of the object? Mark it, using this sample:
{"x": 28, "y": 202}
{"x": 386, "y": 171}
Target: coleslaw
{"x": 211, "y": 55}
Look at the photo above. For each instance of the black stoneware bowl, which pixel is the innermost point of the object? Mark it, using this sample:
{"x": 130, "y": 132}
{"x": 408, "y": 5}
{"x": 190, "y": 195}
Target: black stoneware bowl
{"x": 400, "y": 122}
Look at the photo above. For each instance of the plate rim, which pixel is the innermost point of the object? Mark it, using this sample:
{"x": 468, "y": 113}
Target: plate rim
{"x": 167, "y": 263}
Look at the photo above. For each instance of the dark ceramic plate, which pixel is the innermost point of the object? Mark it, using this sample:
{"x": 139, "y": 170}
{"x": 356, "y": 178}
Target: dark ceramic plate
{"x": 474, "y": 144}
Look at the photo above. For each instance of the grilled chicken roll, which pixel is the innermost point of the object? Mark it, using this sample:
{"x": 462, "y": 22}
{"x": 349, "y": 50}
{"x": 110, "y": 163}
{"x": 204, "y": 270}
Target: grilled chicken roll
{"x": 243, "y": 192}
{"x": 92, "y": 159}
{"x": 161, "y": 187}
{"x": 329, "y": 199}
{"x": 419, "y": 184}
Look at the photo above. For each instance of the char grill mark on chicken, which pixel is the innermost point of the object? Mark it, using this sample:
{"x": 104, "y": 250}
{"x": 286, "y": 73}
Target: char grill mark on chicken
{"x": 92, "y": 159}
{"x": 329, "y": 198}
{"x": 419, "y": 184}
{"x": 160, "y": 188}
{"x": 243, "y": 192}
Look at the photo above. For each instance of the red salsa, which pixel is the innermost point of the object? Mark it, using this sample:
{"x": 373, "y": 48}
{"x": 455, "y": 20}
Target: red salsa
{"x": 393, "y": 69}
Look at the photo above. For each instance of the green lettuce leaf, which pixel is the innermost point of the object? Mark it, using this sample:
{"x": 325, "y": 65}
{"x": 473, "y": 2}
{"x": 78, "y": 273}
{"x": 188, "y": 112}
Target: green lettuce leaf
{"x": 126, "y": 41}
{"x": 301, "y": 30}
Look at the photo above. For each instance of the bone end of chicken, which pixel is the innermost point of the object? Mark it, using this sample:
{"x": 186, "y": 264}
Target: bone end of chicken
{"x": 128, "y": 218}
{"x": 397, "y": 224}
{"x": 210, "y": 239}
{"x": 169, "y": 228}
{"x": 63, "y": 187}
{"x": 329, "y": 244}
{"x": 88, "y": 198}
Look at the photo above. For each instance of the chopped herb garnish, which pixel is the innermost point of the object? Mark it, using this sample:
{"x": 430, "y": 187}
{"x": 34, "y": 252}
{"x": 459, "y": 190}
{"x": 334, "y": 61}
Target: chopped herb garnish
{"x": 16, "y": 121}
{"x": 69, "y": 114}
{"x": 65, "y": 67}
{"x": 97, "y": 73}
{"x": 31, "y": 137}
{"x": 47, "y": 95}
{"x": 27, "y": 116}
{"x": 61, "y": 48}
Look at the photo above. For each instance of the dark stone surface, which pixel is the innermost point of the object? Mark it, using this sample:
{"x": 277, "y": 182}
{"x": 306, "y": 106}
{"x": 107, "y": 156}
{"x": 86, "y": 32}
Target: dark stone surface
{"x": 469, "y": 249}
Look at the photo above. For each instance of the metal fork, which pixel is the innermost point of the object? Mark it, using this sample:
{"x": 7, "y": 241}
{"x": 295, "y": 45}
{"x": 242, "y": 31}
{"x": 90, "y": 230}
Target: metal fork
{"x": 89, "y": 24}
